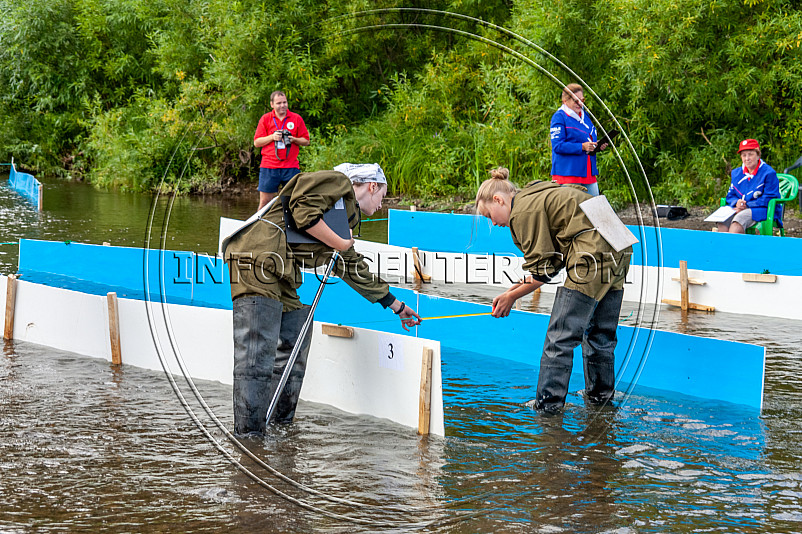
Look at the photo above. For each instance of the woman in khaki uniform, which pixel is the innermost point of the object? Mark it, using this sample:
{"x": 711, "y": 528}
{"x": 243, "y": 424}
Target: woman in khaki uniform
{"x": 553, "y": 233}
{"x": 266, "y": 272}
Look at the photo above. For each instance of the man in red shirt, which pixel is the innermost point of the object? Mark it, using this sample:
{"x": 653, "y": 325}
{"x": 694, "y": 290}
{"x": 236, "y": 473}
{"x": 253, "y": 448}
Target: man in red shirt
{"x": 279, "y": 152}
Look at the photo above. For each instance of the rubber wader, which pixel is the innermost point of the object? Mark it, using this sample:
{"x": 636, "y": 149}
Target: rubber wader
{"x": 577, "y": 318}
{"x": 291, "y": 324}
{"x": 257, "y": 321}
{"x": 598, "y": 349}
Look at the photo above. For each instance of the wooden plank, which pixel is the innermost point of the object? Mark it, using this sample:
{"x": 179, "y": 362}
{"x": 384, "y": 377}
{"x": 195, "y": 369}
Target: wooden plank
{"x": 691, "y": 305}
{"x": 418, "y": 272}
{"x": 757, "y": 277}
{"x": 337, "y": 330}
{"x": 425, "y": 401}
{"x": 691, "y": 281}
{"x": 683, "y": 284}
{"x": 11, "y": 300}
{"x": 114, "y": 329}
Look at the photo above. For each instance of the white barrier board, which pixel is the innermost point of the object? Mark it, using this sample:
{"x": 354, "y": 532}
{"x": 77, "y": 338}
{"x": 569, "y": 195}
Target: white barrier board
{"x": 199, "y": 340}
{"x": 373, "y": 373}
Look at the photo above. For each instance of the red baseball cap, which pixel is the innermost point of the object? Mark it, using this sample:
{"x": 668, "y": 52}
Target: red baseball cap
{"x": 748, "y": 144}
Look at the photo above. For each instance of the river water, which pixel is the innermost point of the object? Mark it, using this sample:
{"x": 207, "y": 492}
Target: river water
{"x": 86, "y": 447}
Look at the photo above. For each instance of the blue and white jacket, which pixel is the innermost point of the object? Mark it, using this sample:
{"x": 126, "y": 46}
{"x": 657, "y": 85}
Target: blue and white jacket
{"x": 567, "y": 135}
{"x": 757, "y": 190}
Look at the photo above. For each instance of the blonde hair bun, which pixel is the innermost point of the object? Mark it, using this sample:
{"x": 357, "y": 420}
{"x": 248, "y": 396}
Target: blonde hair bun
{"x": 499, "y": 182}
{"x": 500, "y": 173}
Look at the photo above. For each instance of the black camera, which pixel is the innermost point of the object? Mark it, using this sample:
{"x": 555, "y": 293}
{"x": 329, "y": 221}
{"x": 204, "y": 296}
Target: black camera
{"x": 287, "y": 144}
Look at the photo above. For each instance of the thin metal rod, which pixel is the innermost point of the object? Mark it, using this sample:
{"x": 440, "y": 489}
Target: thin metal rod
{"x": 298, "y": 342}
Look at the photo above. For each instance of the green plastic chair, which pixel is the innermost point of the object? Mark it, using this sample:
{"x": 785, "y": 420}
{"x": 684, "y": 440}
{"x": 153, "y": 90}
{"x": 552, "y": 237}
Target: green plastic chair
{"x": 789, "y": 188}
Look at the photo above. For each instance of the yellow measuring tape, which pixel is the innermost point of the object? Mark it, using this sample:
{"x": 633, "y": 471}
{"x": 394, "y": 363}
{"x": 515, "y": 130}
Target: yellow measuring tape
{"x": 454, "y": 316}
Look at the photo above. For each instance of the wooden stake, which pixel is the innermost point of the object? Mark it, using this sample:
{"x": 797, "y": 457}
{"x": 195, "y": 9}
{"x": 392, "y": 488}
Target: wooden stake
{"x": 425, "y": 402}
{"x": 114, "y": 329}
{"x": 683, "y": 281}
{"x": 41, "y": 197}
{"x": 418, "y": 273}
{"x": 11, "y": 301}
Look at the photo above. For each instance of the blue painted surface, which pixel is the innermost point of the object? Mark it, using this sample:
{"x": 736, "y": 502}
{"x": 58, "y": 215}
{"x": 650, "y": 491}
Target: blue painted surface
{"x": 187, "y": 278}
{"x": 701, "y": 367}
{"x": 25, "y": 184}
{"x": 707, "y": 251}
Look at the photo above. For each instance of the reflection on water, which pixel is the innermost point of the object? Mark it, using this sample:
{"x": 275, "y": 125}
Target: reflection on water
{"x": 88, "y": 447}
{"x": 85, "y": 446}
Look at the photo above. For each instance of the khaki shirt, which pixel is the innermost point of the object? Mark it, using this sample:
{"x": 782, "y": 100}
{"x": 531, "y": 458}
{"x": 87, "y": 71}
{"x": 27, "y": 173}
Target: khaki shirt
{"x": 260, "y": 257}
{"x": 553, "y": 233}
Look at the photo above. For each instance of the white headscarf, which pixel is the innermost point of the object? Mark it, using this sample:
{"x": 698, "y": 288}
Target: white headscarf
{"x": 360, "y": 173}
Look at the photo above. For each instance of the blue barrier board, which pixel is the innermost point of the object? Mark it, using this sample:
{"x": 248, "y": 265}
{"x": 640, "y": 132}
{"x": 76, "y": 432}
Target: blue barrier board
{"x": 173, "y": 276}
{"x": 658, "y": 247}
{"x": 701, "y": 367}
{"x": 25, "y": 184}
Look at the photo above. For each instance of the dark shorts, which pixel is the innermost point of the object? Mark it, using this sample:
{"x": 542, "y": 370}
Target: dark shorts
{"x": 269, "y": 179}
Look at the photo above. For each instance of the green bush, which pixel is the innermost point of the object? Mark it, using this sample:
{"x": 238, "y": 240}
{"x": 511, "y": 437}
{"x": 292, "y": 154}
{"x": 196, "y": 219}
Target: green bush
{"x": 144, "y": 94}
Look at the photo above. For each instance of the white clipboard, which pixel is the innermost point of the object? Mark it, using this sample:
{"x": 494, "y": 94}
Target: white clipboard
{"x": 607, "y": 223}
{"x": 723, "y": 214}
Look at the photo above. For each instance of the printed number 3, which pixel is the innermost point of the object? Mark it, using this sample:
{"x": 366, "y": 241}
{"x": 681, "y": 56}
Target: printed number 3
{"x": 391, "y": 351}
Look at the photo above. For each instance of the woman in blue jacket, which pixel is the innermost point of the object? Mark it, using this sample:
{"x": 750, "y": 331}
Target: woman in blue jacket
{"x": 751, "y": 188}
{"x": 573, "y": 137}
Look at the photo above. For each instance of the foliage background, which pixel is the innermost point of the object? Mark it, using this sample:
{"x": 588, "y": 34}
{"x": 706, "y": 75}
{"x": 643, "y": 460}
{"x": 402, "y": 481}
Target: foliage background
{"x": 126, "y": 93}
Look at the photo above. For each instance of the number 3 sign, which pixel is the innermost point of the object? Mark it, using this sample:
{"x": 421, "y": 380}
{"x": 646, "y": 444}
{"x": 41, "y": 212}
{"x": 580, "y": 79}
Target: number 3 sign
{"x": 391, "y": 352}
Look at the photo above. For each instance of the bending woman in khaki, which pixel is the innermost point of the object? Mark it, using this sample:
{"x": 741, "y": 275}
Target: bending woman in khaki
{"x": 553, "y": 233}
{"x": 266, "y": 272}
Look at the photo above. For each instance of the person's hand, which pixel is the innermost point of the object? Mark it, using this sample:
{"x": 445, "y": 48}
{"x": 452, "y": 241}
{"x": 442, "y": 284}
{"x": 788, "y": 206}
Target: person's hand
{"x": 603, "y": 146}
{"x": 588, "y": 146}
{"x": 406, "y": 314}
{"x": 502, "y": 304}
{"x": 740, "y": 205}
{"x": 276, "y": 135}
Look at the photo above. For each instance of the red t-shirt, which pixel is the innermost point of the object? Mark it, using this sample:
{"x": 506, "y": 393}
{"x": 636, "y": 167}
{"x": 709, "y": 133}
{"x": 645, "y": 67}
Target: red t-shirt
{"x": 268, "y": 124}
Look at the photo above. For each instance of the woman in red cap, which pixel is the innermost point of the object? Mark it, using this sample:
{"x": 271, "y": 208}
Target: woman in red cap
{"x": 751, "y": 188}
